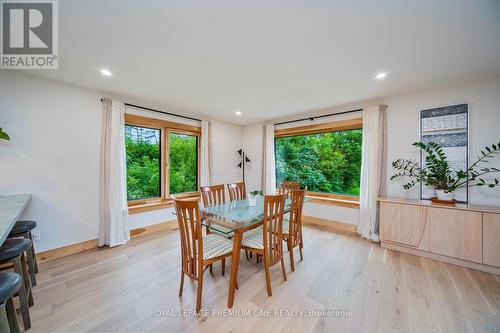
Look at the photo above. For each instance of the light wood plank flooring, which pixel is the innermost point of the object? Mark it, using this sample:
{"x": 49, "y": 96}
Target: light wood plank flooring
{"x": 134, "y": 288}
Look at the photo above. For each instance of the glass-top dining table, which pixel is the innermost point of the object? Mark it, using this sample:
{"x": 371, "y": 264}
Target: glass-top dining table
{"x": 237, "y": 217}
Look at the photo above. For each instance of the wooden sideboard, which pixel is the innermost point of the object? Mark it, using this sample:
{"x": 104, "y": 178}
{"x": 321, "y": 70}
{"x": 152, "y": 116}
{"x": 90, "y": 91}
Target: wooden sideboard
{"x": 465, "y": 235}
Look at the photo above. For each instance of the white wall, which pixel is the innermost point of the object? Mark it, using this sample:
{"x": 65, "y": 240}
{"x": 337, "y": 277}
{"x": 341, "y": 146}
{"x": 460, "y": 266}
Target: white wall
{"x": 403, "y": 129}
{"x": 484, "y": 121}
{"x": 54, "y": 153}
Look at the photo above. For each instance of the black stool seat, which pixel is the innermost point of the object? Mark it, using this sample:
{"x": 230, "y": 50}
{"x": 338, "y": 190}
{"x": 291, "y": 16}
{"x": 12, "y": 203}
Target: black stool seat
{"x": 10, "y": 283}
{"x": 22, "y": 227}
{"x": 13, "y": 247}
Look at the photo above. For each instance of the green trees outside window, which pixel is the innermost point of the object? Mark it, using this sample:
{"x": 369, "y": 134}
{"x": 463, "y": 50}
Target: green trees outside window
{"x": 183, "y": 163}
{"x": 326, "y": 162}
{"x": 142, "y": 146}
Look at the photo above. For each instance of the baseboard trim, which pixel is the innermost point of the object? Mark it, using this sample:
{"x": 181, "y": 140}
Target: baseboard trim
{"x": 68, "y": 250}
{"x": 330, "y": 224}
{"x": 442, "y": 258}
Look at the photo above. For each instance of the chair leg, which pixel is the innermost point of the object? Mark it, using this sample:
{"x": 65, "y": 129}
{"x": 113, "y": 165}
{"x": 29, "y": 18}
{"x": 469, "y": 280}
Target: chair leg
{"x": 223, "y": 266}
{"x": 27, "y": 280}
{"x": 182, "y": 283}
{"x": 268, "y": 277}
{"x": 199, "y": 293}
{"x": 31, "y": 266}
{"x": 23, "y": 298}
{"x": 283, "y": 267}
{"x": 246, "y": 254}
{"x": 4, "y": 321}
{"x": 30, "y": 236}
{"x": 11, "y": 316}
{"x": 300, "y": 250}
{"x": 211, "y": 268}
{"x": 292, "y": 261}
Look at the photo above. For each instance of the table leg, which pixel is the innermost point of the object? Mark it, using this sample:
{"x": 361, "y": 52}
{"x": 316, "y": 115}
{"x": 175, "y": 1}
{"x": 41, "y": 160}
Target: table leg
{"x": 234, "y": 267}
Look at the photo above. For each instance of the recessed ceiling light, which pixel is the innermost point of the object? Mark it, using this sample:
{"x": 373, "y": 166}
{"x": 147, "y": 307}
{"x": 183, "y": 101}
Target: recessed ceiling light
{"x": 106, "y": 72}
{"x": 238, "y": 113}
{"x": 381, "y": 75}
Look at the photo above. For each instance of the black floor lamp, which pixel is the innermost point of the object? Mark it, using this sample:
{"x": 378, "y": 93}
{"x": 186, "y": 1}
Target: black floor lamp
{"x": 244, "y": 160}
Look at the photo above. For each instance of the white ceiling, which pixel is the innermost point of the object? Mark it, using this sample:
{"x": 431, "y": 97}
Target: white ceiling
{"x": 271, "y": 59}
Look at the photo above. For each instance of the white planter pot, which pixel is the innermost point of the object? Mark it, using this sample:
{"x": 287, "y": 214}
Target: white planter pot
{"x": 443, "y": 195}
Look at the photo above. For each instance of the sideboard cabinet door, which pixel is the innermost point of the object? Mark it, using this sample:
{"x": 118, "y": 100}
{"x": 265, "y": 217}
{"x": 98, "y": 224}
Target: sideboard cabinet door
{"x": 456, "y": 233}
{"x": 491, "y": 239}
{"x": 404, "y": 224}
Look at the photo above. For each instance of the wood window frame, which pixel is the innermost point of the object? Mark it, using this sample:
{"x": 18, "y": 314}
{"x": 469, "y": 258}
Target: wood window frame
{"x": 336, "y": 126}
{"x": 165, "y": 127}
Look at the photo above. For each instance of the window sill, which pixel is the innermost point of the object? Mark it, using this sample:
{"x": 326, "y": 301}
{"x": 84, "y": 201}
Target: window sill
{"x": 350, "y": 203}
{"x": 135, "y": 208}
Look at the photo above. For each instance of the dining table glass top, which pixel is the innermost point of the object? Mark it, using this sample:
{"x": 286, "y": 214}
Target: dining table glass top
{"x": 237, "y": 214}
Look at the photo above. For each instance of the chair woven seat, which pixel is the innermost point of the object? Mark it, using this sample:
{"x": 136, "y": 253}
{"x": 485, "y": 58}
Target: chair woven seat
{"x": 253, "y": 238}
{"x": 215, "y": 245}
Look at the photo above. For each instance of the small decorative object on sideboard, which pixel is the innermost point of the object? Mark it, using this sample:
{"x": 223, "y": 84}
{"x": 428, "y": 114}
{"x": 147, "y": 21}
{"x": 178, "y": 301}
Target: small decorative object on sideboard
{"x": 437, "y": 172}
{"x": 4, "y": 135}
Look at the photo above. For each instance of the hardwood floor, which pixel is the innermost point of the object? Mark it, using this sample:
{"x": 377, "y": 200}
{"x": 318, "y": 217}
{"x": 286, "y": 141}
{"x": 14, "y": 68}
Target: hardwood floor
{"x": 134, "y": 288}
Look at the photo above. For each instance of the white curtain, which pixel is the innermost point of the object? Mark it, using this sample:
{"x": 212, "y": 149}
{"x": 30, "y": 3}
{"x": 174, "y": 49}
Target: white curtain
{"x": 373, "y": 165}
{"x": 268, "y": 166}
{"x": 113, "y": 228}
{"x": 206, "y": 153}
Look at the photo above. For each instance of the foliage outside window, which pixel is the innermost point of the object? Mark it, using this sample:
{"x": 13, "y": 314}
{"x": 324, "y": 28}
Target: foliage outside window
{"x": 142, "y": 147}
{"x": 183, "y": 163}
{"x": 324, "y": 162}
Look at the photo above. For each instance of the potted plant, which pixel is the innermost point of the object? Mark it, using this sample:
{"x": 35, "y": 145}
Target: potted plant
{"x": 438, "y": 174}
{"x": 252, "y": 198}
{"x": 3, "y": 135}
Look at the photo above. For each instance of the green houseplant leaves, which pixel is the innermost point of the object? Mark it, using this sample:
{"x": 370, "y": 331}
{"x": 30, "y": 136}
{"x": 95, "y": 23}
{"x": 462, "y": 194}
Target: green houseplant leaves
{"x": 438, "y": 174}
{"x": 4, "y": 135}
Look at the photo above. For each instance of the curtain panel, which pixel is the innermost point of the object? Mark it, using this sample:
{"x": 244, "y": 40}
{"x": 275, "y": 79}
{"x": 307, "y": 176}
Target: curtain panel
{"x": 113, "y": 227}
{"x": 373, "y": 170}
{"x": 268, "y": 161}
{"x": 206, "y": 154}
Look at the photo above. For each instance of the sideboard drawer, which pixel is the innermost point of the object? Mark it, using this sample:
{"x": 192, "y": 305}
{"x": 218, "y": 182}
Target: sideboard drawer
{"x": 404, "y": 224}
{"x": 456, "y": 233}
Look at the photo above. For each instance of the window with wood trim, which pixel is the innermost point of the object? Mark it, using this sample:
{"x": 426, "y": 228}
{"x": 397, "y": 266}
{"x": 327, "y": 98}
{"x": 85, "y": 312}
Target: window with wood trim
{"x": 162, "y": 159}
{"x": 324, "y": 157}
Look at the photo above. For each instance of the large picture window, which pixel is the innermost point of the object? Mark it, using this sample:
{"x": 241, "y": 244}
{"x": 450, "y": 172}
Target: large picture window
{"x": 183, "y": 163}
{"x": 162, "y": 159}
{"x": 142, "y": 146}
{"x": 328, "y": 161}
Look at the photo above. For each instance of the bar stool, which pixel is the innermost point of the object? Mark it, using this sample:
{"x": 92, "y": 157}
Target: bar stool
{"x": 10, "y": 283}
{"x": 23, "y": 229}
{"x": 12, "y": 251}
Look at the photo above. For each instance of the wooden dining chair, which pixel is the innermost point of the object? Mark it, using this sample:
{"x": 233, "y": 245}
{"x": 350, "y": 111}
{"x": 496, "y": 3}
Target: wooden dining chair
{"x": 213, "y": 195}
{"x": 292, "y": 226}
{"x": 237, "y": 191}
{"x": 198, "y": 252}
{"x": 288, "y": 187}
{"x": 268, "y": 241}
